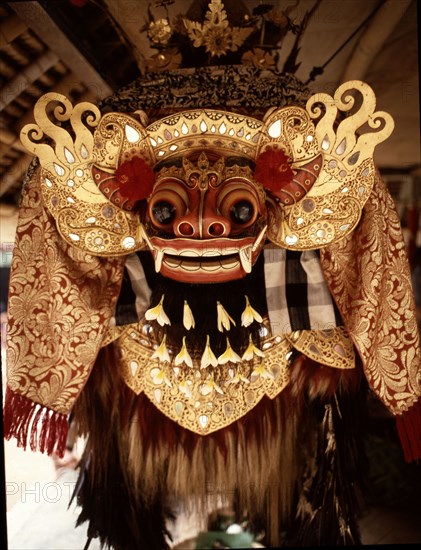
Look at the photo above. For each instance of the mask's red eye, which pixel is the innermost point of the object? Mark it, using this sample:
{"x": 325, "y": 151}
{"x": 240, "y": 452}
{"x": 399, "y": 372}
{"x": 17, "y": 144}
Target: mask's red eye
{"x": 238, "y": 205}
{"x": 166, "y": 204}
{"x": 163, "y": 212}
{"x": 241, "y": 212}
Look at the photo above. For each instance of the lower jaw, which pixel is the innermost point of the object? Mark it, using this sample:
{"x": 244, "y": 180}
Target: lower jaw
{"x": 201, "y": 276}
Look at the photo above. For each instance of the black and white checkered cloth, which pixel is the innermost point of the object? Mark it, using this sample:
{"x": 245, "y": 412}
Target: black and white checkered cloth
{"x": 296, "y": 293}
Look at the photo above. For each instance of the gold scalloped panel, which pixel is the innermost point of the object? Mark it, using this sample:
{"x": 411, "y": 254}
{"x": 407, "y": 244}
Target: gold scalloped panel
{"x": 333, "y": 347}
{"x": 118, "y": 138}
{"x": 204, "y": 400}
{"x": 85, "y": 217}
{"x": 292, "y": 130}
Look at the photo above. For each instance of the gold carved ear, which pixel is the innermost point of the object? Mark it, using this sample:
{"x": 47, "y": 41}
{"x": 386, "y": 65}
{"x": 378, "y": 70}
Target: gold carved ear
{"x": 330, "y": 146}
{"x": 74, "y": 145}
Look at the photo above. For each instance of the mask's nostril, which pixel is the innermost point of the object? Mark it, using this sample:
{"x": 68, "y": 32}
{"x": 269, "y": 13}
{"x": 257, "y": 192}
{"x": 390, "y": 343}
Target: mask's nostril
{"x": 186, "y": 229}
{"x": 216, "y": 229}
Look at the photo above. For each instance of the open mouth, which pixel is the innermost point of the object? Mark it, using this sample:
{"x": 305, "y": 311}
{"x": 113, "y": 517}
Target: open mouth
{"x": 223, "y": 258}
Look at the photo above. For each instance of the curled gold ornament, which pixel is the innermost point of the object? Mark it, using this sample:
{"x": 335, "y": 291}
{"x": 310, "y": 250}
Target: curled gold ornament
{"x": 347, "y": 174}
{"x": 332, "y": 163}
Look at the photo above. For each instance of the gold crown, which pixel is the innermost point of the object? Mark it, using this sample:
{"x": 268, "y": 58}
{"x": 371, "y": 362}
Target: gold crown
{"x": 327, "y": 212}
{"x": 227, "y": 134}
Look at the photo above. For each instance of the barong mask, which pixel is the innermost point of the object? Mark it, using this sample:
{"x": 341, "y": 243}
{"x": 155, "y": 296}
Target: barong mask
{"x": 207, "y": 292}
{"x": 203, "y": 189}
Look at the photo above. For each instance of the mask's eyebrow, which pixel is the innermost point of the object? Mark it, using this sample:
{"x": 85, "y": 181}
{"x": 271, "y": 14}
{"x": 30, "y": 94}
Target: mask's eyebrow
{"x": 239, "y": 161}
{"x": 174, "y": 161}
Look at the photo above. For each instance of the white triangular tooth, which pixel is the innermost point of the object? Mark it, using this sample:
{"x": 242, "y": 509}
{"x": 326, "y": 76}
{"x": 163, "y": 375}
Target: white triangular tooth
{"x": 145, "y": 237}
{"x": 259, "y": 239}
{"x": 159, "y": 256}
{"x": 245, "y": 258}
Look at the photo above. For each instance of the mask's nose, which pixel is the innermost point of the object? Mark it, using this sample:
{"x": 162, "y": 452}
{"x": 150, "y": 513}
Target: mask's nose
{"x": 202, "y": 221}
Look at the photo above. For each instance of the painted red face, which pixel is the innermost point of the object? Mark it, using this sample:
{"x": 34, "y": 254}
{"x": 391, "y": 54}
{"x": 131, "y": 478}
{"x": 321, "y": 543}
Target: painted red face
{"x": 205, "y": 224}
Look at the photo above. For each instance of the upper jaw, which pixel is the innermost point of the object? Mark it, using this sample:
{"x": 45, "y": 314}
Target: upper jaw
{"x": 205, "y": 261}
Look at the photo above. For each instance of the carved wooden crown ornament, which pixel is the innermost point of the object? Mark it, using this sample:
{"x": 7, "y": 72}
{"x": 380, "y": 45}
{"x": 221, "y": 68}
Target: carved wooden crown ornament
{"x": 203, "y": 189}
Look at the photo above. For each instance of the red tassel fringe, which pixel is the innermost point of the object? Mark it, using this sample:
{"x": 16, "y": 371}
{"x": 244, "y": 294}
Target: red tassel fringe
{"x": 44, "y": 429}
{"x": 409, "y": 429}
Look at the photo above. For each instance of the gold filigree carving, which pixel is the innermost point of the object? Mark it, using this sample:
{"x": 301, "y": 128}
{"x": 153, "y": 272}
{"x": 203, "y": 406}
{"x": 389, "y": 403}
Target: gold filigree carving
{"x": 85, "y": 217}
{"x": 332, "y": 207}
{"x": 225, "y": 133}
{"x": 328, "y": 212}
{"x": 330, "y": 347}
{"x": 204, "y": 399}
{"x": 215, "y": 34}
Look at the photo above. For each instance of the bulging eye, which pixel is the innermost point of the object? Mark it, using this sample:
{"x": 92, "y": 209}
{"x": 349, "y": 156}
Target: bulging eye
{"x": 163, "y": 212}
{"x": 165, "y": 206}
{"x": 241, "y": 212}
{"x": 239, "y": 205}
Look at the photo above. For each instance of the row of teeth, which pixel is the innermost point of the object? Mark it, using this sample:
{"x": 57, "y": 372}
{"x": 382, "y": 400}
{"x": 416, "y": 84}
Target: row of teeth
{"x": 210, "y": 267}
{"x": 244, "y": 254}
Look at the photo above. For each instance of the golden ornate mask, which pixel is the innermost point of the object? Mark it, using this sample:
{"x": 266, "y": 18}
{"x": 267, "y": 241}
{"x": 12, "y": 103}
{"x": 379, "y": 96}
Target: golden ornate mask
{"x": 204, "y": 189}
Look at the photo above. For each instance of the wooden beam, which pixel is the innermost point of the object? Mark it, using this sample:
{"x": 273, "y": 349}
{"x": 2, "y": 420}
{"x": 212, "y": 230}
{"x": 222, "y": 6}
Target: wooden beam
{"x": 37, "y": 19}
{"x": 26, "y": 77}
{"x": 10, "y": 139}
{"x": 10, "y": 29}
